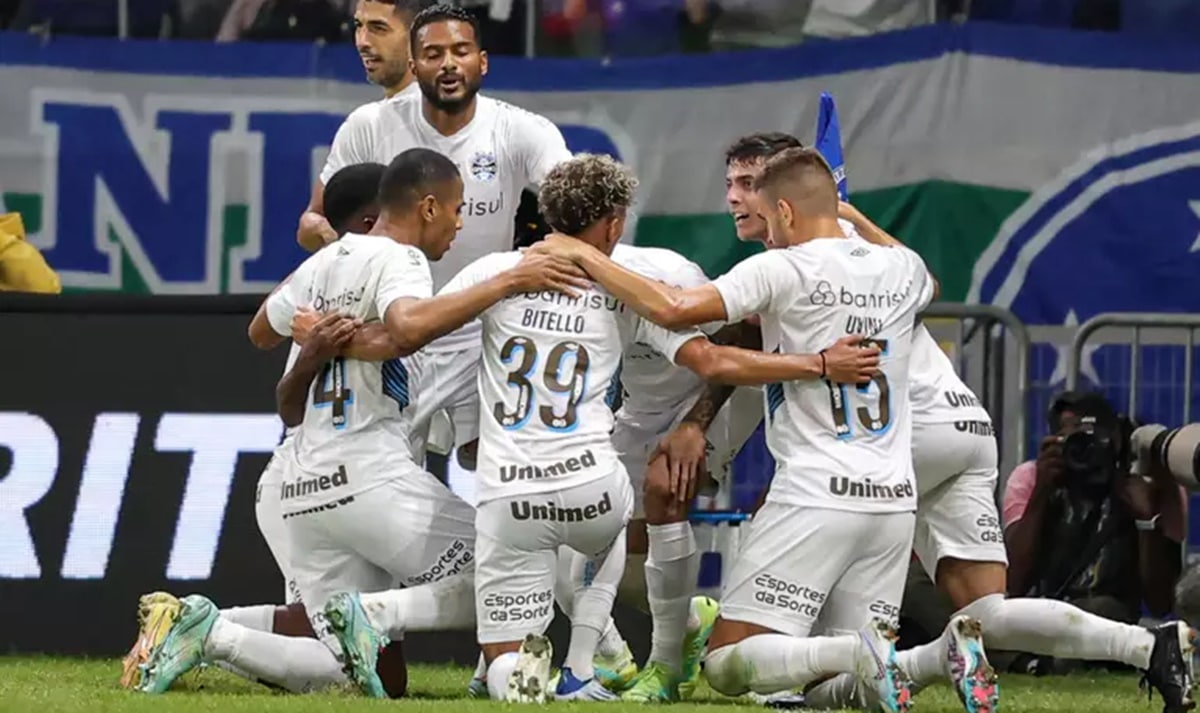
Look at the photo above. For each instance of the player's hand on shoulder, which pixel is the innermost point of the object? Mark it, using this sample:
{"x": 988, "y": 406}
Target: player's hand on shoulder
{"x": 851, "y": 361}
{"x": 560, "y": 245}
{"x": 685, "y": 448}
{"x": 328, "y": 336}
{"x": 303, "y": 322}
{"x": 541, "y": 270}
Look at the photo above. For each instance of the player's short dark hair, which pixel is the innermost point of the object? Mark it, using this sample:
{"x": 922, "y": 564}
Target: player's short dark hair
{"x": 793, "y": 165}
{"x": 760, "y": 146}
{"x": 406, "y": 8}
{"x": 411, "y": 176}
{"x": 442, "y": 12}
{"x": 584, "y": 189}
{"x": 349, "y": 191}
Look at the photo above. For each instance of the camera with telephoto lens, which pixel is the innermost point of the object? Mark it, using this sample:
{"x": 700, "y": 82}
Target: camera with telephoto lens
{"x": 1093, "y": 456}
{"x": 1177, "y": 450}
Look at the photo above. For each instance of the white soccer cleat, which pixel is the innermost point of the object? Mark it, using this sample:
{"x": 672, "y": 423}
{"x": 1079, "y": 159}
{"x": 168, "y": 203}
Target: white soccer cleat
{"x": 973, "y": 678}
{"x": 880, "y": 678}
{"x": 529, "y": 681}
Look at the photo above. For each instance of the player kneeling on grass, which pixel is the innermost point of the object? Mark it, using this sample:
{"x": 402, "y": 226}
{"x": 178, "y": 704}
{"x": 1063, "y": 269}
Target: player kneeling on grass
{"x": 360, "y": 513}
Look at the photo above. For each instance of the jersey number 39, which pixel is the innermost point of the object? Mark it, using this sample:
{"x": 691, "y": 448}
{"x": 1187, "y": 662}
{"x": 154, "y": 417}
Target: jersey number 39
{"x": 573, "y": 384}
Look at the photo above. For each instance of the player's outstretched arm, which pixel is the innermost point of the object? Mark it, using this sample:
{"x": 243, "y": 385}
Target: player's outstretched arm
{"x": 664, "y": 305}
{"x": 847, "y": 361}
{"x": 413, "y": 323}
{"x": 878, "y": 236}
{"x": 328, "y": 337}
{"x": 370, "y": 342}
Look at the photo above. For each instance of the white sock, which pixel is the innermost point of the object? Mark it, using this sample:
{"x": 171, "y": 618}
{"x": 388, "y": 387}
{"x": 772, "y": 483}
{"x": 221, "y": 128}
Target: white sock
{"x": 926, "y": 663}
{"x": 260, "y": 617}
{"x": 769, "y": 663}
{"x": 612, "y": 645}
{"x": 841, "y": 691}
{"x": 596, "y": 581}
{"x": 671, "y": 571}
{"x": 296, "y": 663}
{"x": 1054, "y": 628}
{"x": 633, "y": 589}
{"x": 445, "y": 605}
{"x": 498, "y": 674}
{"x": 481, "y": 668}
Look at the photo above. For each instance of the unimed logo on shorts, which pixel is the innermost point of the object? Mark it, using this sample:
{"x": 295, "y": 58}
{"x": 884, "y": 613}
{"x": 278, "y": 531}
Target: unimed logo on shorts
{"x": 790, "y": 596}
{"x": 844, "y": 487}
{"x": 312, "y": 486}
{"x": 525, "y": 510}
{"x": 506, "y": 606}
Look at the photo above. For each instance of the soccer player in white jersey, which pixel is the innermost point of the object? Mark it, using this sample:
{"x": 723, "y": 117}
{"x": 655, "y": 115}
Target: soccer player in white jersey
{"x": 831, "y": 544}
{"x": 360, "y": 513}
{"x": 351, "y": 202}
{"x": 961, "y": 546}
{"x": 381, "y": 37}
{"x": 500, "y": 150}
{"x": 548, "y": 474}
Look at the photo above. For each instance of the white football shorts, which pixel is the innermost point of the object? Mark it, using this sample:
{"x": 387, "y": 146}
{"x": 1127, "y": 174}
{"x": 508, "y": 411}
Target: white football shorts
{"x": 269, "y": 515}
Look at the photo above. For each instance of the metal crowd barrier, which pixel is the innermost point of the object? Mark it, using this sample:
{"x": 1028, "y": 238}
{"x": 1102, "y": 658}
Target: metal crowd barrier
{"x": 1154, "y": 342}
{"x": 990, "y": 349}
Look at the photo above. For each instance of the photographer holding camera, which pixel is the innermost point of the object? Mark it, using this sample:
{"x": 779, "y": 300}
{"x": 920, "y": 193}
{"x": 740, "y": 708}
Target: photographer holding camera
{"x": 1081, "y": 528}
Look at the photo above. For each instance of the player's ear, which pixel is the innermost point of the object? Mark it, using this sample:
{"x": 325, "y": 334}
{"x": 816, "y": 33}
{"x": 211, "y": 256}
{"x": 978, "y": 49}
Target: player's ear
{"x": 483, "y": 63}
{"x": 786, "y": 212}
{"x": 429, "y": 208}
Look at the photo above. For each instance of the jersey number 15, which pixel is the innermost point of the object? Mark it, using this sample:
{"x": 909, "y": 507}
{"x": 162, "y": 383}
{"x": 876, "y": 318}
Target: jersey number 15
{"x": 839, "y": 403}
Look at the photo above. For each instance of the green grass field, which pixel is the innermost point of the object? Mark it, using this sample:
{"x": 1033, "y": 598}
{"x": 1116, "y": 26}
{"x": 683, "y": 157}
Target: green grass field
{"x": 58, "y": 685}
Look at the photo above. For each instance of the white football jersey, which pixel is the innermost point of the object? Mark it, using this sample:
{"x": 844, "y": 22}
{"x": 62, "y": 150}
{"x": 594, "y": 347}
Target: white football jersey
{"x": 548, "y": 363}
{"x": 504, "y": 150}
{"x": 835, "y": 446}
{"x": 355, "y": 432}
{"x": 937, "y": 394}
{"x": 655, "y": 389}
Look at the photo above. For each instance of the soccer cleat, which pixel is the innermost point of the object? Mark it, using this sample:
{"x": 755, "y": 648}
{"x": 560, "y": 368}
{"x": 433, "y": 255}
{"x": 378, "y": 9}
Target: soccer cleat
{"x": 616, "y": 673}
{"x": 1170, "y": 671}
{"x": 655, "y": 684}
{"x": 701, "y": 619}
{"x": 157, "y": 611}
{"x": 877, "y": 671}
{"x": 570, "y": 688}
{"x": 360, "y": 642}
{"x": 972, "y": 676}
{"x": 529, "y": 681}
{"x": 182, "y": 648}
{"x": 477, "y": 688}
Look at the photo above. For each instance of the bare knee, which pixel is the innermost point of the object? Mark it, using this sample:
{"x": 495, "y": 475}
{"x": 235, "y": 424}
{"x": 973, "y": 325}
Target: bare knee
{"x": 967, "y": 581}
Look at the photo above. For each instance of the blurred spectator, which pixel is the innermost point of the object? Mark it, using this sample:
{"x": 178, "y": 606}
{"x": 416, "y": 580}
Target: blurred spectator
{"x": 201, "y": 19}
{"x": 742, "y": 24}
{"x": 1081, "y": 528}
{"x": 147, "y": 18}
{"x": 22, "y": 267}
{"x": 502, "y": 23}
{"x": 285, "y": 20}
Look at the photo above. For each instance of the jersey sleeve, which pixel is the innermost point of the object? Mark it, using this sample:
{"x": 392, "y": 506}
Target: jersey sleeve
{"x": 539, "y": 144}
{"x": 479, "y": 271}
{"x": 663, "y": 341}
{"x": 924, "y": 281}
{"x": 404, "y": 273}
{"x": 755, "y": 284}
{"x": 352, "y": 144}
{"x": 283, "y": 303}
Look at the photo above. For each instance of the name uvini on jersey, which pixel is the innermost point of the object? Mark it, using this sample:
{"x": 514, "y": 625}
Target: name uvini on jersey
{"x": 936, "y": 392}
{"x": 355, "y": 433}
{"x": 502, "y": 151}
{"x": 655, "y": 389}
{"x": 549, "y": 361}
{"x": 836, "y": 446}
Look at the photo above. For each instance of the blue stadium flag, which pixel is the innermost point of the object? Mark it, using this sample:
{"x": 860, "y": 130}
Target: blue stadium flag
{"x": 829, "y": 143}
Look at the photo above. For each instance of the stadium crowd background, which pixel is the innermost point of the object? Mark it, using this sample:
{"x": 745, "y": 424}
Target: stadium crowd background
{"x": 579, "y": 28}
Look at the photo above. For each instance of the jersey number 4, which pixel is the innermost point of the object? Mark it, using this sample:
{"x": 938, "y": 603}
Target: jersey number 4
{"x": 330, "y": 391}
{"x": 573, "y": 384}
{"x": 872, "y": 423}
